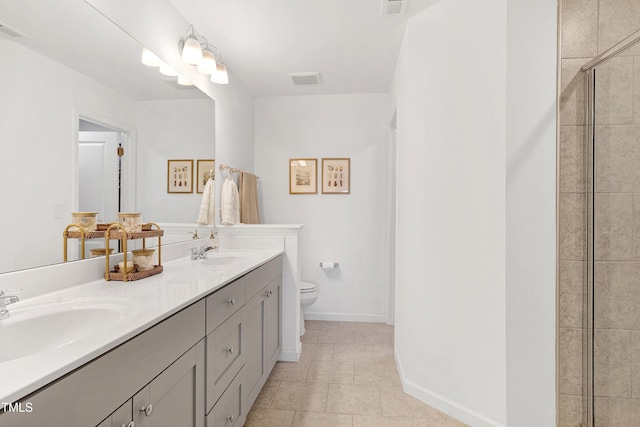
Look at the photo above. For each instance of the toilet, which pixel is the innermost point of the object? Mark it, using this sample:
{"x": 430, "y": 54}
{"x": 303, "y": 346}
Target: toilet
{"x": 308, "y": 295}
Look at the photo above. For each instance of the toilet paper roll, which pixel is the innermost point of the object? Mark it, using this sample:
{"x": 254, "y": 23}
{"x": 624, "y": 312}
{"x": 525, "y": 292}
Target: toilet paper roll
{"x": 328, "y": 264}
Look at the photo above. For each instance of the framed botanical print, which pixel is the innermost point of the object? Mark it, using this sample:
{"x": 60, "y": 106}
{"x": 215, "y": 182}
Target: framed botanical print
{"x": 206, "y": 170}
{"x": 303, "y": 176}
{"x": 336, "y": 176}
{"x": 180, "y": 176}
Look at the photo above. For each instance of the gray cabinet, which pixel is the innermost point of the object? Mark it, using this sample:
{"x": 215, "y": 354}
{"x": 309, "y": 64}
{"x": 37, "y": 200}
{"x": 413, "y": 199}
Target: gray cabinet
{"x": 264, "y": 337}
{"x": 176, "y": 396}
{"x": 204, "y": 365}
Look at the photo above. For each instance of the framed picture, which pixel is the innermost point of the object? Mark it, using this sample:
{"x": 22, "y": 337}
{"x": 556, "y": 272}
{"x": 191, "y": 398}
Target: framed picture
{"x": 303, "y": 176}
{"x": 180, "y": 176}
{"x": 336, "y": 176}
{"x": 206, "y": 170}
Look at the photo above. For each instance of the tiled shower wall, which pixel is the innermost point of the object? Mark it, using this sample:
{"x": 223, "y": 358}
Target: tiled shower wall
{"x": 588, "y": 28}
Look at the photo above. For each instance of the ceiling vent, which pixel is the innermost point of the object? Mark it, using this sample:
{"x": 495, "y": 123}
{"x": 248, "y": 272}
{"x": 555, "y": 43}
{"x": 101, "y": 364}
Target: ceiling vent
{"x": 8, "y": 31}
{"x": 305, "y": 79}
{"x": 393, "y": 7}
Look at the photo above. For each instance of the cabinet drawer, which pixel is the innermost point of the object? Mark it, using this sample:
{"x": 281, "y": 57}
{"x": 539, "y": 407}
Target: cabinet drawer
{"x": 230, "y": 410}
{"x": 225, "y": 355}
{"x": 263, "y": 275}
{"x": 224, "y": 302}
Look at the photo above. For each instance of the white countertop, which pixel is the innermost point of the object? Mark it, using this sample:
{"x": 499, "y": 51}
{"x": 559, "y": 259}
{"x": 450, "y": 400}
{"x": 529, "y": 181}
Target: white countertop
{"x": 148, "y": 301}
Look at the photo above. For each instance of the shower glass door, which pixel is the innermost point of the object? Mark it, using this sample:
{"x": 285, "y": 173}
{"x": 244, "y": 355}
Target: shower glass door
{"x": 612, "y": 307}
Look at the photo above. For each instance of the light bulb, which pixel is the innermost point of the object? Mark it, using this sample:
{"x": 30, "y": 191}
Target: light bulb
{"x": 191, "y": 51}
{"x": 167, "y": 70}
{"x": 220, "y": 76}
{"x": 183, "y": 81}
{"x": 149, "y": 58}
{"x": 208, "y": 63}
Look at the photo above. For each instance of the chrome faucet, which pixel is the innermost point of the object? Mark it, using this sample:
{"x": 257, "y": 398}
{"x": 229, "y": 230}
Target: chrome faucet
{"x": 5, "y": 300}
{"x": 200, "y": 253}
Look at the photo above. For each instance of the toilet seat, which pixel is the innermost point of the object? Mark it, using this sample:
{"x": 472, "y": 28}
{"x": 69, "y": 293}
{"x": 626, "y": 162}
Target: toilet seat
{"x": 306, "y": 287}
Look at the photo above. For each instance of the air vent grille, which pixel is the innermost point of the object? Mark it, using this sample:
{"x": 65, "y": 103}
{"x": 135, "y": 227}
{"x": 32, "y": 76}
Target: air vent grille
{"x": 393, "y": 7}
{"x": 8, "y": 31}
{"x": 305, "y": 79}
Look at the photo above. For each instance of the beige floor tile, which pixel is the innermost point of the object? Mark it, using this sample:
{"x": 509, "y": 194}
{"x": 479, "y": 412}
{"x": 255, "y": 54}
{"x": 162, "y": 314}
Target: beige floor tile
{"x": 290, "y": 371}
{"x": 310, "y": 336}
{"x": 369, "y": 421}
{"x": 354, "y": 399}
{"x": 266, "y": 395}
{"x": 396, "y": 403}
{"x": 315, "y": 351}
{"x": 376, "y": 373}
{"x": 300, "y": 396}
{"x": 261, "y": 417}
{"x": 353, "y": 353}
{"x": 336, "y": 337}
{"x": 373, "y": 338}
{"x": 320, "y": 325}
{"x": 438, "y": 419}
{"x": 318, "y": 419}
{"x": 329, "y": 371}
{"x": 384, "y": 351}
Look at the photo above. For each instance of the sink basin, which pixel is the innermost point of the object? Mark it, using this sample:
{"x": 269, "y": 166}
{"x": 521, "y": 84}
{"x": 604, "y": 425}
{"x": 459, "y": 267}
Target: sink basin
{"x": 229, "y": 258}
{"x": 35, "y": 328}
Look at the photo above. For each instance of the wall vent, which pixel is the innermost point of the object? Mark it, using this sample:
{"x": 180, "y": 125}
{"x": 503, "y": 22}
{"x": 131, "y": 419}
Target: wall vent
{"x": 305, "y": 79}
{"x": 8, "y": 31}
{"x": 393, "y": 7}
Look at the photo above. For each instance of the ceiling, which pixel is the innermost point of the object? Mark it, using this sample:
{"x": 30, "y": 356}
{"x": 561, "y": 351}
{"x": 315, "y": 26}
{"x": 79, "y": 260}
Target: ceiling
{"x": 351, "y": 43}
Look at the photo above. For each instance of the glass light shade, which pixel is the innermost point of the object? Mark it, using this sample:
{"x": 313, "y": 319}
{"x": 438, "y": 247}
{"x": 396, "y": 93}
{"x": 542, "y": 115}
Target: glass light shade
{"x": 167, "y": 70}
{"x": 208, "y": 63}
{"x": 191, "y": 51}
{"x": 220, "y": 76}
{"x": 149, "y": 58}
{"x": 183, "y": 81}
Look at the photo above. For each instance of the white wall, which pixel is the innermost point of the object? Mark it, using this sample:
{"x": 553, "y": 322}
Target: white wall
{"x": 475, "y": 87}
{"x": 171, "y": 129}
{"x": 345, "y": 228}
{"x": 450, "y": 284}
{"x": 531, "y": 207}
{"x": 39, "y": 101}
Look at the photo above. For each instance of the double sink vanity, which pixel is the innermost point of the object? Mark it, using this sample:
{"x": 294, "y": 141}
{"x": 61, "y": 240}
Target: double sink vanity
{"x": 190, "y": 347}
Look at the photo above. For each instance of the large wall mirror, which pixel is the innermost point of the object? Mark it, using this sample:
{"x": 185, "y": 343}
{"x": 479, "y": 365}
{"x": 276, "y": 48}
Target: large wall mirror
{"x": 74, "y": 91}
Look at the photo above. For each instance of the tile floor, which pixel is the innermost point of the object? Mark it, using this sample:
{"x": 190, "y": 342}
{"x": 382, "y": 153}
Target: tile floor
{"x": 346, "y": 376}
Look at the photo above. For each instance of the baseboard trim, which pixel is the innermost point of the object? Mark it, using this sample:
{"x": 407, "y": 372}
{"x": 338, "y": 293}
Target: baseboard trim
{"x": 441, "y": 403}
{"x": 344, "y": 317}
{"x": 291, "y": 356}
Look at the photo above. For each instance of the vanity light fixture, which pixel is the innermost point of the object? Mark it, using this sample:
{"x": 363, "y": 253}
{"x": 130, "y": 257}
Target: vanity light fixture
{"x": 208, "y": 63}
{"x": 149, "y": 58}
{"x": 167, "y": 70}
{"x": 183, "y": 81}
{"x": 191, "y": 50}
{"x": 220, "y": 76}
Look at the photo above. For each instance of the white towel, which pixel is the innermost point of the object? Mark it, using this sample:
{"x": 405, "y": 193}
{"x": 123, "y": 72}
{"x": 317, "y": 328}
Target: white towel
{"x": 230, "y": 202}
{"x": 207, "y": 214}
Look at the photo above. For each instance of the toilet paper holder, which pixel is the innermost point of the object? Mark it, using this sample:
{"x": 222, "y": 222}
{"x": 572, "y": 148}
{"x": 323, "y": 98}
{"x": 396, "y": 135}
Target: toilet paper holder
{"x": 328, "y": 264}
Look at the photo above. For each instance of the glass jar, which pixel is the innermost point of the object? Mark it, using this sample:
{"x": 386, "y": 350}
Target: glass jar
{"x": 131, "y": 222}
{"x": 143, "y": 258}
{"x": 86, "y": 220}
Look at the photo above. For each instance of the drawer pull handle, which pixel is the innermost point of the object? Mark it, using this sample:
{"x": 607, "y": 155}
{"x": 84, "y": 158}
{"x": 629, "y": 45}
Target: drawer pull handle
{"x": 131, "y": 424}
{"x": 268, "y": 294}
{"x": 230, "y": 350}
{"x": 232, "y": 301}
{"x": 147, "y": 410}
{"x": 230, "y": 418}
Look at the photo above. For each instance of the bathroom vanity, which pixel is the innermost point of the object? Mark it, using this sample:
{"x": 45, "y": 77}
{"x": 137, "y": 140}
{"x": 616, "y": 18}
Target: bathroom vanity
{"x": 194, "y": 348}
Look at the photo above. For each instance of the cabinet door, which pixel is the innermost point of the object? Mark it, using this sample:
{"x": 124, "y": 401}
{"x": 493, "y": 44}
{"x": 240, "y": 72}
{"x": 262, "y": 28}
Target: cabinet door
{"x": 229, "y": 411}
{"x": 256, "y": 364}
{"x": 121, "y": 417}
{"x": 176, "y": 396}
{"x": 273, "y": 297}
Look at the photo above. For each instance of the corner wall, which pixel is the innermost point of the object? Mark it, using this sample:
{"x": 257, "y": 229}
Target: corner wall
{"x": 450, "y": 283}
{"x": 475, "y": 90}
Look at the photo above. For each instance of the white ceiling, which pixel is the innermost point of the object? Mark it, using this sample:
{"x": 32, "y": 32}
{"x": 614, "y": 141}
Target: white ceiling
{"x": 350, "y": 42}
